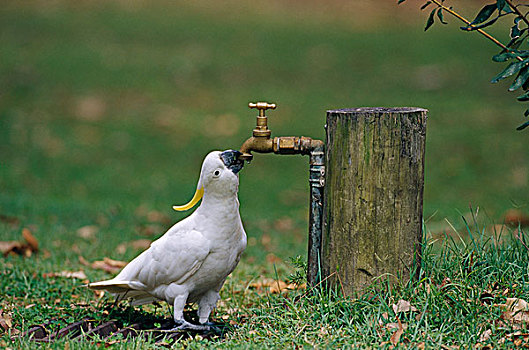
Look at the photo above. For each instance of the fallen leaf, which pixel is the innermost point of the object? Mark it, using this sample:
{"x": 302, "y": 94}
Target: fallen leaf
{"x": 284, "y": 224}
{"x": 395, "y": 325}
{"x": 32, "y": 241}
{"x": 99, "y": 293}
{"x": 121, "y": 248}
{"x": 101, "y": 265}
{"x": 517, "y": 310}
{"x": 518, "y": 338}
{"x": 141, "y": 244}
{"x": 90, "y": 108}
{"x": 108, "y": 265}
{"x": 115, "y": 263}
{"x": 151, "y": 229}
{"x": 67, "y": 274}
{"x": 395, "y": 338}
{"x": 275, "y": 286}
{"x": 7, "y": 247}
{"x": 265, "y": 241}
{"x": 88, "y": 232}
{"x": 485, "y": 336}
{"x": 5, "y": 321}
{"x": 83, "y": 261}
{"x": 272, "y": 259}
{"x": 19, "y": 248}
{"x": 515, "y": 217}
{"x": 403, "y": 306}
{"x": 516, "y": 304}
{"x": 156, "y": 216}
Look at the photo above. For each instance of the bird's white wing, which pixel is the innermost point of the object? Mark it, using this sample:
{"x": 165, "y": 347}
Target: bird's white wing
{"x": 173, "y": 258}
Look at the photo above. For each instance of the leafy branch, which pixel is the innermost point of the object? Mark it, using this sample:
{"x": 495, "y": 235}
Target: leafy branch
{"x": 515, "y": 49}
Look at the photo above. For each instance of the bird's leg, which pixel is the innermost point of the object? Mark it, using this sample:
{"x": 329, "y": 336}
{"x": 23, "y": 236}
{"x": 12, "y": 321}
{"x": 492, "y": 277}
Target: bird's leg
{"x": 206, "y": 304}
{"x": 178, "y": 305}
{"x": 180, "y": 323}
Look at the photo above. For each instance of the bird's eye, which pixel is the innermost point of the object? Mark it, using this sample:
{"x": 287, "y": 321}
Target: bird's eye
{"x": 216, "y": 173}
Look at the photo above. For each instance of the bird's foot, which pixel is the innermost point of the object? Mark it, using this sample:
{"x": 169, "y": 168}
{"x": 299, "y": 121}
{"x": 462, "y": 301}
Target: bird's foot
{"x": 183, "y": 325}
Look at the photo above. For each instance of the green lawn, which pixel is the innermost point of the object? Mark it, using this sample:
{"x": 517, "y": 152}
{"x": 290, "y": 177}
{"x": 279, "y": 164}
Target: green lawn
{"x": 107, "y": 110}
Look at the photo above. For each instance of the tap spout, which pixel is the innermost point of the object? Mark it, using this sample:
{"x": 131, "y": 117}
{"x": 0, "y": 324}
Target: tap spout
{"x": 279, "y": 145}
{"x": 256, "y": 144}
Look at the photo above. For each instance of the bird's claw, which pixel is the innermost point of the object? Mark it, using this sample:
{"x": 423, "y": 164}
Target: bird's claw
{"x": 182, "y": 325}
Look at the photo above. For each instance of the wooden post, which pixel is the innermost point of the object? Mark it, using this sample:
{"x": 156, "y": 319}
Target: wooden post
{"x": 372, "y": 215}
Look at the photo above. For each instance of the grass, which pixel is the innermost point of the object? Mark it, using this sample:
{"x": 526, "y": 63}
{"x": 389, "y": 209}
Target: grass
{"x": 107, "y": 110}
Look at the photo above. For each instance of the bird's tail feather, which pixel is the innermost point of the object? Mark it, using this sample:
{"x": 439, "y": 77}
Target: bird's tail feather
{"x": 114, "y": 286}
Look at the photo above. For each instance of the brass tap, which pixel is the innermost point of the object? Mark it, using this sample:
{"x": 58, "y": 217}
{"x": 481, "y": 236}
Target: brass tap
{"x": 262, "y": 143}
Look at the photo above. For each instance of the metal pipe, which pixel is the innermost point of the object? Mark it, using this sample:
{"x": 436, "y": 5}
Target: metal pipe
{"x": 317, "y": 183}
{"x": 262, "y": 143}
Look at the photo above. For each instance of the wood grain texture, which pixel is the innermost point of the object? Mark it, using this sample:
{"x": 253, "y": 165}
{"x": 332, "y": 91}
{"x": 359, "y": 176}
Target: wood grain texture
{"x": 372, "y": 224}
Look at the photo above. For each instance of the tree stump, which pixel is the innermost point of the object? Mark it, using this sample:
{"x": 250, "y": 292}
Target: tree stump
{"x": 372, "y": 216}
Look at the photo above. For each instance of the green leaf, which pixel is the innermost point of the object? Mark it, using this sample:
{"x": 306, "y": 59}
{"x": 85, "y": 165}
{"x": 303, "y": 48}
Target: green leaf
{"x": 520, "y": 79}
{"x": 440, "y": 15}
{"x": 515, "y": 31}
{"x": 430, "y": 20}
{"x": 505, "y": 8}
{"x": 515, "y": 43}
{"x": 523, "y": 126}
{"x": 505, "y": 56}
{"x": 500, "y": 4}
{"x": 470, "y": 28}
{"x": 484, "y": 14}
{"x": 524, "y": 97}
{"x": 525, "y": 85}
{"x": 511, "y": 69}
{"x": 526, "y": 113}
{"x": 425, "y": 5}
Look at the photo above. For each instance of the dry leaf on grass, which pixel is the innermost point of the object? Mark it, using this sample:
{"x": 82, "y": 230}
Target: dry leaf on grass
{"x": 30, "y": 239}
{"x": 516, "y": 310}
{"x": 140, "y": 244}
{"x": 108, "y": 265}
{"x": 5, "y": 321}
{"x": 156, "y": 216}
{"x": 284, "y": 224}
{"x": 88, "y": 232}
{"x": 20, "y": 248}
{"x": 90, "y": 108}
{"x": 515, "y": 217}
{"x": 485, "y": 336}
{"x": 275, "y": 286}
{"x": 403, "y": 306}
{"x": 395, "y": 338}
{"x": 67, "y": 274}
{"x": 272, "y": 259}
{"x": 518, "y": 339}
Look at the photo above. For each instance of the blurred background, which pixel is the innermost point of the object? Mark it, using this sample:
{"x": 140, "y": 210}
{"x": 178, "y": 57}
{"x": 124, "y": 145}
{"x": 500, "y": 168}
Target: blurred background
{"x": 107, "y": 109}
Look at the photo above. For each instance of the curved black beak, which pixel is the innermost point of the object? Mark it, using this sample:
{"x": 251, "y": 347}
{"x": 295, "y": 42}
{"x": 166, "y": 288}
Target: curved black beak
{"x": 231, "y": 160}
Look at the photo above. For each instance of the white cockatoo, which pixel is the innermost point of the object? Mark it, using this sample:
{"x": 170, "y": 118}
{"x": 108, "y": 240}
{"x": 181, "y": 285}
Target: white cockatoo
{"x": 191, "y": 261}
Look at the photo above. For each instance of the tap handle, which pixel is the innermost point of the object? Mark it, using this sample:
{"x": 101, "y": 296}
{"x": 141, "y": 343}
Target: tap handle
{"x": 262, "y": 107}
{"x": 261, "y": 130}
